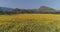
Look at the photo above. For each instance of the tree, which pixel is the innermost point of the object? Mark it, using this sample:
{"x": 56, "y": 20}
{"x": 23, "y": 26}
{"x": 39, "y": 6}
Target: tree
{"x": 16, "y": 11}
{"x": 1, "y": 12}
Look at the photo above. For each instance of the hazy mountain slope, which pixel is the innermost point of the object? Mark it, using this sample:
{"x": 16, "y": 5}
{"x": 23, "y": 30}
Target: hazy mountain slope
{"x": 46, "y": 9}
{"x": 5, "y": 9}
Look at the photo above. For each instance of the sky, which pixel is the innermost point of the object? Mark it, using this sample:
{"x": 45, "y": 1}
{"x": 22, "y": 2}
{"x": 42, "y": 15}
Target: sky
{"x": 30, "y": 4}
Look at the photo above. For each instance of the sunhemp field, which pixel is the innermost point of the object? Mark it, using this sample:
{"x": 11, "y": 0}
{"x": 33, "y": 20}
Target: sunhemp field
{"x": 29, "y": 16}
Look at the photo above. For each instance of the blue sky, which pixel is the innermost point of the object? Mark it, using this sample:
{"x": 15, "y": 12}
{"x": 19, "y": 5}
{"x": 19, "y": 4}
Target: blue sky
{"x": 30, "y": 4}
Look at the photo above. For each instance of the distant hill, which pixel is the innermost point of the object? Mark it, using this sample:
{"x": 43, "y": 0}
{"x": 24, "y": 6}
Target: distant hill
{"x": 42, "y": 9}
{"x": 46, "y": 9}
{"x": 5, "y": 9}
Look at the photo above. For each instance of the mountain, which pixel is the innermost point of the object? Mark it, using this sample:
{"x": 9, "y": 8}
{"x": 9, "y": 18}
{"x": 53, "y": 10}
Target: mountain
{"x": 42, "y": 9}
{"x": 46, "y": 9}
{"x": 5, "y": 9}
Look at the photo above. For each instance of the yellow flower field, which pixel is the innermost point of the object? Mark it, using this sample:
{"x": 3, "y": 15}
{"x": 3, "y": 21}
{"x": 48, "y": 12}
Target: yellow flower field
{"x": 30, "y": 23}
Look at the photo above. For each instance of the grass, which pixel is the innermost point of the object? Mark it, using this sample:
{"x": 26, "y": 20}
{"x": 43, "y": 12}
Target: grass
{"x": 30, "y": 23}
